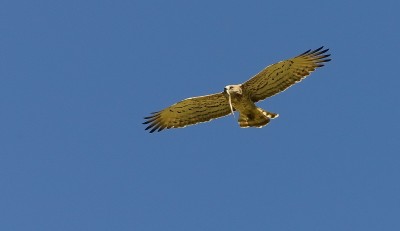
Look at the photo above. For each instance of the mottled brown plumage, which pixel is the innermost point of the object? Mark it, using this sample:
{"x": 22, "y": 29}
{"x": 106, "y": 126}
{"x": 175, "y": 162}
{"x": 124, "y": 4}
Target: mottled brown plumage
{"x": 270, "y": 81}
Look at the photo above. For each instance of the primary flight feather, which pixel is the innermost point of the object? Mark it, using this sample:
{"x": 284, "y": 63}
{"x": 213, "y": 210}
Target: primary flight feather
{"x": 270, "y": 81}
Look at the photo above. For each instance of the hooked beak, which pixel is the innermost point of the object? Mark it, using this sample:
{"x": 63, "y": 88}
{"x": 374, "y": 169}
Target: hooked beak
{"x": 225, "y": 89}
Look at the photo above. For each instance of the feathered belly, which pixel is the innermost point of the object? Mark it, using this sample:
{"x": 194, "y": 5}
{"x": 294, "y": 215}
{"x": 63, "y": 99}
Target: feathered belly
{"x": 243, "y": 104}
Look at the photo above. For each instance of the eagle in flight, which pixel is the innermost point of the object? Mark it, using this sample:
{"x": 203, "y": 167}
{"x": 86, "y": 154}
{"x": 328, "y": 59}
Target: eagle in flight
{"x": 270, "y": 81}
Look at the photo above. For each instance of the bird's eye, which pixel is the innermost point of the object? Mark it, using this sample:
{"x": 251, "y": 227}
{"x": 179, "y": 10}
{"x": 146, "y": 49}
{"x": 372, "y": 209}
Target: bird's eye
{"x": 230, "y": 87}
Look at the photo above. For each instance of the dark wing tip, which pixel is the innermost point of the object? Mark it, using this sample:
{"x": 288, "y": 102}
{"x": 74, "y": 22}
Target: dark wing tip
{"x": 321, "y": 52}
{"x": 158, "y": 125}
{"x": 314, "y": 53}
{"x": 154, "y": 123}
{"x": 304, "y": 53}
{"x": 161, "y": 128}
{"x": 324, "y": 56}
{"x": 316, "y": 50}
{"x": 148, "y": 127}
{"x": 319, "y": 55}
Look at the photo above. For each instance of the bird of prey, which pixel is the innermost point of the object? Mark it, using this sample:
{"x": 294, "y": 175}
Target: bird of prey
{"x": 270, "y": 81}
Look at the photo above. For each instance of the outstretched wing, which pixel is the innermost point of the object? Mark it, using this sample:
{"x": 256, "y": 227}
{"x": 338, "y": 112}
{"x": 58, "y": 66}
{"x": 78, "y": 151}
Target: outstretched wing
{"x": 189, "y": 111}
{"x": 280, "y": 76}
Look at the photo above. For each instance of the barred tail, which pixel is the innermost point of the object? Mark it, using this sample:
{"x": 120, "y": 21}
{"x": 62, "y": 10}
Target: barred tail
{"x": 257, "y": 118}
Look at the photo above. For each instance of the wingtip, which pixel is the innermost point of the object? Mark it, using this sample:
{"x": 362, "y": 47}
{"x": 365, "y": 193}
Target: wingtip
{"x": 316, "y": 50}
{"x": 320, "y": 52}
{"x": 304, "y": 53}
{"x": 155, "y": 128}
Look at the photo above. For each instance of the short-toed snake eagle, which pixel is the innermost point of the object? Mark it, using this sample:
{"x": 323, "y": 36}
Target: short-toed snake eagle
{"x": 270, "y": 81}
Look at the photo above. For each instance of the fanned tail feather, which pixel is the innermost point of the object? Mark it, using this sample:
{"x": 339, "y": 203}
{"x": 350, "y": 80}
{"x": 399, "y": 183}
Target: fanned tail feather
{"x": 258, "y": 118}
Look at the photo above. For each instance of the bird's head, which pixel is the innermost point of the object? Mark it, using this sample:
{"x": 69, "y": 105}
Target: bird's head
{"x": 233, "y": 89}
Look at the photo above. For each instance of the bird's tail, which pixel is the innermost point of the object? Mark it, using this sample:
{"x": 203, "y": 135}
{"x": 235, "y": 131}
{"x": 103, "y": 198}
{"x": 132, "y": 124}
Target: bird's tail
{"x": 257, "y": 118}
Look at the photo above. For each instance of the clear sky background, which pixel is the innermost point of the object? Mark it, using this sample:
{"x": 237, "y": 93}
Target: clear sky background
{"x": 77, "y": 77}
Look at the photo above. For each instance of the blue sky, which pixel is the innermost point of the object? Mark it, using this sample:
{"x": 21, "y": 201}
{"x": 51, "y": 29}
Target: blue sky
{"x": 77, "y": 78}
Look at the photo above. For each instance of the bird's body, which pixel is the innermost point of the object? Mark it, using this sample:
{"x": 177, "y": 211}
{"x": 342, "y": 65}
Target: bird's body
{"x": 241, "y": 97}
{"x": 250, "y": 114}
